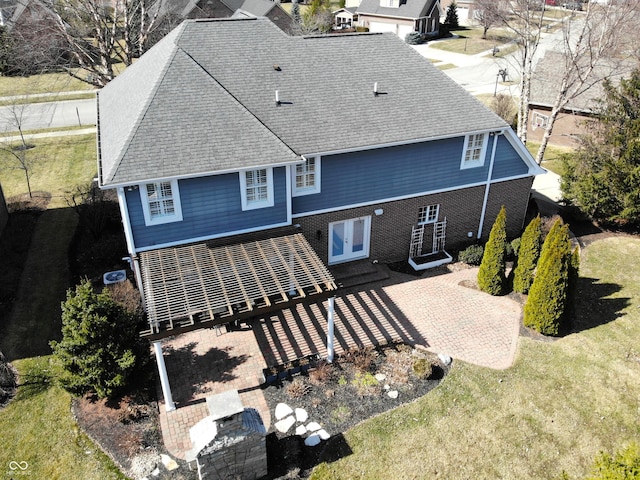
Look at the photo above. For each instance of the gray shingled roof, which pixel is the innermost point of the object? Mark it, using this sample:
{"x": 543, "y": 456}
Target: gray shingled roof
{"x": 545, "y": 82}
{"x": 408, "y": 9}
{"x": 203, "y": 100}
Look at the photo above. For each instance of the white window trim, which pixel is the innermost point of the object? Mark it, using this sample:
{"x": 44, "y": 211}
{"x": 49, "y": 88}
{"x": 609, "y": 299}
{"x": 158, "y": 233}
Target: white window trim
{"x": 269, "y": 202}
{"x": 299, "y": 192}
{"x": 435, "y": 220}
{"x": 175, "y": 195}
{"x": 483, "y": 153}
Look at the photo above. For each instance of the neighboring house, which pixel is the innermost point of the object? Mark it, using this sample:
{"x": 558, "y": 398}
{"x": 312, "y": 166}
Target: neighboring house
{"x": 572, "y": 121}
{"x": 345, "y": 18}
{"x": 172, "y": 12}
{"x": 400, "y": 16}
{"x": 38, "y": 43}
{"x": 245, "y": 159}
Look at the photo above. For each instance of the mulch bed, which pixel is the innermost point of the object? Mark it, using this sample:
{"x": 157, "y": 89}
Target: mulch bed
{"x": 341, "y": 395}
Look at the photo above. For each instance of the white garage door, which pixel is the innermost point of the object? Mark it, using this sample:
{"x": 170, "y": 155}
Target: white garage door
{"x": 403, "y": 30}
{"x": 379, "y": 27}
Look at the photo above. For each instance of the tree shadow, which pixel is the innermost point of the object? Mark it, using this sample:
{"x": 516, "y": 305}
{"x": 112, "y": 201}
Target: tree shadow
{"x": 191, "y": 374}
{"x": 593, "y": 305}
{"x": 288, "y": 454}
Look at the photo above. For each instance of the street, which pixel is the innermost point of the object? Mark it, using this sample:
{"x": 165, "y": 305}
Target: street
{"x": 478, "y": 74}
{"x": 59, "y": 114}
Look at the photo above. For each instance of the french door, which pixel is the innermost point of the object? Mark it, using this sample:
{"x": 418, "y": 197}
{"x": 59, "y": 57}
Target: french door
{"x": 349, "y": 239}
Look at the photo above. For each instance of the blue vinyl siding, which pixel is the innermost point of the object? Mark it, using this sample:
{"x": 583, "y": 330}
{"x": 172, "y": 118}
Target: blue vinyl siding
{"x": 507, "y": 162}
{"x": 372, "y": 175}
{"x": 210, "y": 206}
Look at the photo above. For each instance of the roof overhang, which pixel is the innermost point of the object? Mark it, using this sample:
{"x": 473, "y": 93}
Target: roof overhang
{"x": 198, "y": 286}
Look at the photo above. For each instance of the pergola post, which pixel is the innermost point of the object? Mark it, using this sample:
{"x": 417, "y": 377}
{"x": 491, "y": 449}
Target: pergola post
{"x": 330, "y": 312}
{"x": 164, "y": 378}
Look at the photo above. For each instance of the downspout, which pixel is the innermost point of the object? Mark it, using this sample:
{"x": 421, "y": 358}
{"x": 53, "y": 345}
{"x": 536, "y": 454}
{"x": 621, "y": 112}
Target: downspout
{"x": 128, "y": 235}
{"x": 488, "y": 183}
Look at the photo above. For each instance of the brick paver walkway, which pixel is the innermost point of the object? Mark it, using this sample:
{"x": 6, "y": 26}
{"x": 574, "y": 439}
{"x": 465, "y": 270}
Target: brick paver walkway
{"x": 435, "y": 312}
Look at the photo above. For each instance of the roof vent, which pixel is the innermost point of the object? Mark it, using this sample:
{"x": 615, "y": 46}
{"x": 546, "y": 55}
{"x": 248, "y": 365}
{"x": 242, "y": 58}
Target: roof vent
{"x": 277, "y": 98}
{"x": 375, "y": 89}
{"x": 276, "y": 67}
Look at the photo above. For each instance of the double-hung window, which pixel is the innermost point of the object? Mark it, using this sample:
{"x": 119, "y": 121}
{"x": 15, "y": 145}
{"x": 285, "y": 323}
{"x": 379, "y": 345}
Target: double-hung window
{"x": 256, "y": 188}
{"x": 474, "y": 150}
{"x": 161, "y": 202}
{"x": 306, "y": 177}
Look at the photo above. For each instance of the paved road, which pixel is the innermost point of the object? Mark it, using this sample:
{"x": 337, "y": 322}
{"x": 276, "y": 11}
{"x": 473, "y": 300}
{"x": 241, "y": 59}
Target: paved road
{"x": 48, "y": 115}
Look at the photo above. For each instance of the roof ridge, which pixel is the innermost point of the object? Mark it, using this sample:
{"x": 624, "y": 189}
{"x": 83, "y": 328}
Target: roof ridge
{"x": 239, "y": 103}
{"x": 147, "y": 103}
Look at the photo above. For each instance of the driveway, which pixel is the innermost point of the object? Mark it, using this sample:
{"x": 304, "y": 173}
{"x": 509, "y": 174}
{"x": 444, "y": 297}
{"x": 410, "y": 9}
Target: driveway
{"x": 435, "y": 312}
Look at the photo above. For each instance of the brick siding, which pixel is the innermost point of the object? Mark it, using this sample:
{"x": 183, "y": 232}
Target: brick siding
{"x": 391, "y": 231}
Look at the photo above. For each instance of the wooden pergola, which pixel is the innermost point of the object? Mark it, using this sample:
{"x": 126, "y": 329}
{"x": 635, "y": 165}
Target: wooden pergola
{"x": 197, "y": 286}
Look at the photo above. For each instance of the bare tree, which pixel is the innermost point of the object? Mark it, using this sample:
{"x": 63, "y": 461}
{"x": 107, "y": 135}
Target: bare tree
{"x": 488, "y": 13}
{"x": 594, "y": 48}
{"x": 20, "y": 158}
{"x": 524, "y": 19}
{"x": 99, "y": 37}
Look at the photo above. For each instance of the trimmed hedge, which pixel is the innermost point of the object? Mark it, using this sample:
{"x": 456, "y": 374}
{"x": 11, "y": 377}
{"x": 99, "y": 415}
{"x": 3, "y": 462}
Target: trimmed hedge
{"x": 528, "y": 256}
{"x": 546, "y": 305}
{"x": 491, "y": 277}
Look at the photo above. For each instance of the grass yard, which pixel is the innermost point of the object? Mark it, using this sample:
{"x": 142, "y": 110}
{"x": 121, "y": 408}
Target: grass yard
{"x": 37, "y": 428}
{"x": 551, "y": 160}
{"x": 61, "y": 163}
{"x": 45, "y": 83}
{"x": 470, "y": 41}
{"x": 561, "y": 403}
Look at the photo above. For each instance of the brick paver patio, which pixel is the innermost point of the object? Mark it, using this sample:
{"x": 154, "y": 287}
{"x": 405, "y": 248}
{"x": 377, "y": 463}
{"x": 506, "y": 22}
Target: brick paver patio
{"x": 435, "y": 312}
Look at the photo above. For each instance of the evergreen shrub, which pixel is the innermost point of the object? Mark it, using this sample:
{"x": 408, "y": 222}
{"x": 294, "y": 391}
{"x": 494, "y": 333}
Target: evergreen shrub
{"x": 472, "y": 255}
{"x": 528, "y": 255}
{"x": 491, "y": 276}
{"x": 546, "y": 304}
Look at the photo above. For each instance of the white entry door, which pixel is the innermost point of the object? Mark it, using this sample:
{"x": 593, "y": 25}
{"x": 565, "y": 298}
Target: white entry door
{"x": 349, "y": 239}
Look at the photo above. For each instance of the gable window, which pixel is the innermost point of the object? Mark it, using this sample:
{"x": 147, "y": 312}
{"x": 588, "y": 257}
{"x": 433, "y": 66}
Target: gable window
{"x": 256, "y": 188}
{"x": 307, "y": 177}
{"x": 474, "y": 150}
{"x": 539, "y": 120}
{"x": 428, "y": 214}
{"x": 161, "y": 202}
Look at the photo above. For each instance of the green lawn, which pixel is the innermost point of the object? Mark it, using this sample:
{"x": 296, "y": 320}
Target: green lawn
{"x": 61, "y": 163}
{"x": 37, "y": 428}
{"x": 561, "y": 403}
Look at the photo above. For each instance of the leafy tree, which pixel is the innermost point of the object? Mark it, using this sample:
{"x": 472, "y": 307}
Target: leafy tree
{"x": 603, "y": 177}
{"x": 451, "y": 18}
{"x": 528, "y": 256}
{"x": 546, "y": 305}
{"x": 100, "y": 348}
{"x": 491, "y": 277}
